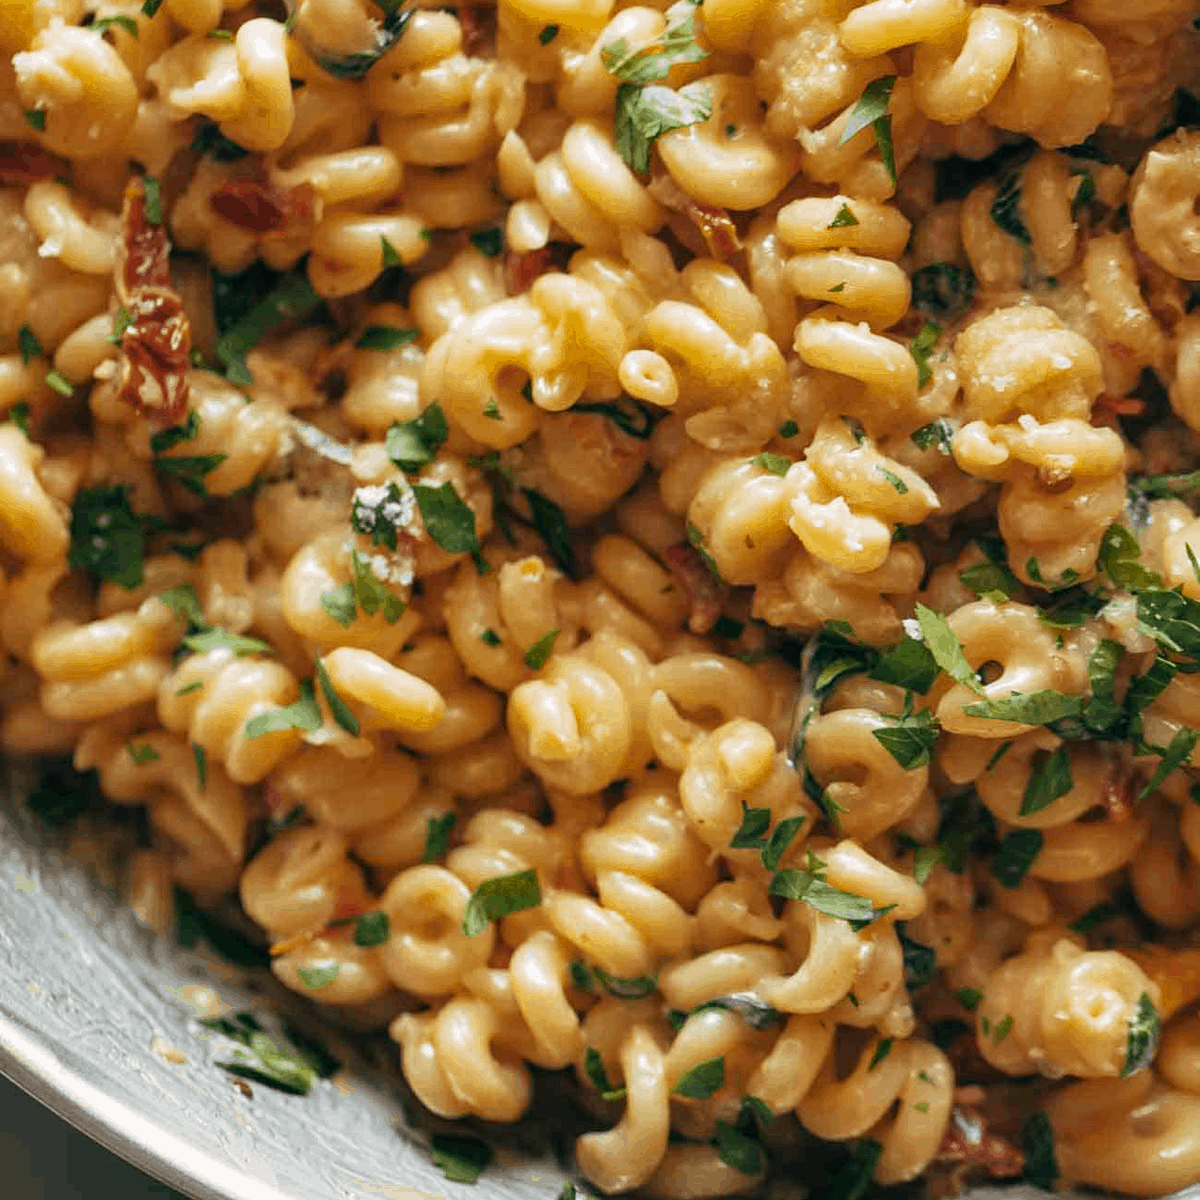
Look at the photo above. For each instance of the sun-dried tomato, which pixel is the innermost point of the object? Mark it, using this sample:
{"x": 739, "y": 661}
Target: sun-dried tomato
{"x": 157, "y": 340}
{"x": 971, "y": 1148}
{"x": 475, "y": 21}
{"x": 1108, "y": 408}
{"x": 520, "y": 270}
{"x": 716, "y": 227}
{"x": 26, "y": 162}
{"x": 706, "y": 593}
{"x": 258, "y": 206}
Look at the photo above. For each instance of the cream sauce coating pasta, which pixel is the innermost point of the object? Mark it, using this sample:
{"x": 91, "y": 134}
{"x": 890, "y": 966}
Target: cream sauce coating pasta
{"x": 648, "y": 541}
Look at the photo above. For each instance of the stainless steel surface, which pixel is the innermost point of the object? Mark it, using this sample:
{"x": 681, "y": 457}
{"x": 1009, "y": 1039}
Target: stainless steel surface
{"x": 91, "y": 1008}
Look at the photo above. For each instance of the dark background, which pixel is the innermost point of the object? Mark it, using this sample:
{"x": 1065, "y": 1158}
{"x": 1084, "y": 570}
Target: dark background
{"x": 43, "y": 1158}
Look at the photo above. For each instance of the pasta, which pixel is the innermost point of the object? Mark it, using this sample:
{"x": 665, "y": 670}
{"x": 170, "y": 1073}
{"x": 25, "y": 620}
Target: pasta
{"x": 650, "y": 542}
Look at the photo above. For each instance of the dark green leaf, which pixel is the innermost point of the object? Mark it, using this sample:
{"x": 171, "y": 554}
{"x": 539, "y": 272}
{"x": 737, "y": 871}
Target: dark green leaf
{"x": 154, "y": 205}
{"x": 1048, "y": 782}
{"x": 908, "y": 664}
{"x": 1006, "y": 210}
{"x": 1172, "y": 620}
{"x": 853, "y": 1181}
{"x": 634, "y": 988}
{"x": 651, "y": 63}
{"x": 548, "y": 34}
{"x": 1016, "y": 855}
{"x": 385, "y": 337}
{"x": 945, "y": 647}
{"x": 1142, "y": 1042}
{"x": 701, "y": 1081}
{"x": 894, "y": 479}
{"x": 909, "y": 739}
{"x": 824, "y": 897}
{"x": 107, "y": 538}
{"x": 303, "y": 714}
{"x": 337, "y": 706}
{"x": 924, "y": 860}
{"x": 593, "y": 1067}
{"x": 1118, "y": 557}
{"x": 62, "y": 793}
{"x": 747, "y": 1005}
{"x": 389, "y": 253}
{"x": 498, "y": 897}
{"x": 925, "y": 341}
{"x": 943, "y": 289}
{"x": 539, "y": 652}
{"x": 460, "y": 1159}
{"x": 645, "y": 113}
{"x": 201, "y": 757}
{"x": 127, "y": 23}
{"x": 872, "y": 109}
{"x": 551, "y": 524}
{"x": 882, "y": 1049}
{"x": 355, "y": 66}
{"x": 752, "y": 833}
{"x": 211, "y": 141}
{"x": 489, "y": 242}
{"x": 920, "y": 961}
{"x": 291, "y": 299}
{"x": 437, "y": 836}
{"x": 1037, "y": 1142}
{"x": 489, "y": 637}
{"x": 737, "y": 1150}
{"x": 781, "y": 838}
{"x": 843, "y": 218}
{"x": 372, "y": 929}
{"x": 1097, "y": 915}
{"x": 192, "y": 923}
{"x": 379, "y": 512}
{"x": 28, "y": 344}
{"x": 969, "y": 998}
{"x": 1036, "y": 708}
{"x": 35, "y": 118}
{"x": 988, "y": 578}
{"x": 142, "y": 754}
{"x": 696, "y": 541}
{"x": 936, "y": 435}
{"x": 339, "y": 603}
{"x": 789, "y": 429}
{"x": 189, "y": 470}
{"x": 1173, "y": 757}
{"x": 167, "y": 439}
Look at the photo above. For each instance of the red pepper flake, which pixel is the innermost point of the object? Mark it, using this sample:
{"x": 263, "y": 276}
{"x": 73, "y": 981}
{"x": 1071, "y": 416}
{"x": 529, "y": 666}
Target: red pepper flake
{"x": 157, "y": 339}
{"x": 27, "y": 162}
{"x": 707, "y": 595}
{"x": 258, "y": 206}
{"x": 475, "y": 25}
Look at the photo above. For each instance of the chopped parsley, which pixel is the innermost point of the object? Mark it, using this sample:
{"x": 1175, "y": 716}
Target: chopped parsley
{"x": 1142, "y": 1042}
{"x": 499, "y": 897}
{"x": 385, "y": 338}
{"x": 843, "y": 218}
{"x": 701, "y": 1081}
{"x": 539, "y": 652}
{"x": 108, "y": 539}
{"x": 872, "y": 109}
{"x": 460, "y": 1158}
{"x": 437, "y": 836}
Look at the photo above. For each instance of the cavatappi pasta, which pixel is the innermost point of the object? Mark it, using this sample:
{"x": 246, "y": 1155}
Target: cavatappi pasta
{"x": 649, "y": 541}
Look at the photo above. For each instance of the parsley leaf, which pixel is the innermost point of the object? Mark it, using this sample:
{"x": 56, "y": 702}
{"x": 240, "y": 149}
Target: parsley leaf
{"x": 498, "y": 897}
{"x": 653, "y": 62}
{"x": 449, "y": 520}
{"x": 337, "y": 706}
{"x": 925, "y": 341}
{"x": 460, "y": 1159}
{"x": 808, "y": 886}
{"x": 1037, "y": 1141}
{"x": 385, "y": 337}
{"x": 701, "y": 1081}
{"x": 872, "y": 109}
{"x": 303, "y": 714}
{"x": 843, "y": 218}
{"x": 28, "y": 344}
{"x": 645, "y": 113}
{"x": 489, "y": 242}
{"x": 943, "y": 289}
{"x": 290, "y": 299}
{"x": 909, "y": 738}
{"x": 936, "y": 435}
{"x": 777, "y": 464}
{"x": 1016, "y": 855}
{"x": 1036, "y": 708}
{"x": 551, "y": 525}
{"x": 1006, "y": 210}
{"x": 593, "y": 1067}
{"x": 1048, "y": 782}
{"x": 737, "y": 1150}
{"x": 107, "y": 537}
{"x": 1142, "y": 1042}
{"x": 1118, "y": 558}
{"x": 945, "y": 647}
{"x": 437, "y": 836}
{"x": 539, "y": 652}
{"x": 1173, "y": 757}
{"x": 752, "y": 833}
{"x": 853, "y": 1181}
